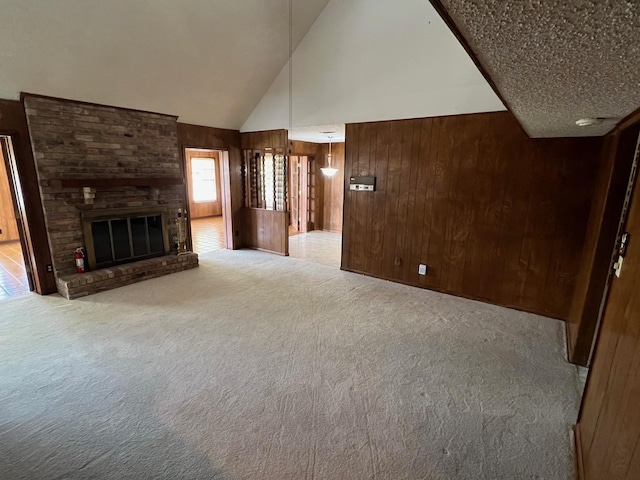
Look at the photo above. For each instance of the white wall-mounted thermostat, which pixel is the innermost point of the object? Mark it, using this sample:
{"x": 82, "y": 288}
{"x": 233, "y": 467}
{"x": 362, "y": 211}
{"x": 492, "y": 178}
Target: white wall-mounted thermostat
{"x": 362, "y": 184}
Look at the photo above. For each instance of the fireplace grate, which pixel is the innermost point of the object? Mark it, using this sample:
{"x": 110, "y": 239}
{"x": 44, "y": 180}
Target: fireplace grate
{"x": 125, "y": 238}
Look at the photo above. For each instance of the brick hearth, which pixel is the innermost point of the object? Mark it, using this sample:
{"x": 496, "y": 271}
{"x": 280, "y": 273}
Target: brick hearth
{"x": 82, "y": 284}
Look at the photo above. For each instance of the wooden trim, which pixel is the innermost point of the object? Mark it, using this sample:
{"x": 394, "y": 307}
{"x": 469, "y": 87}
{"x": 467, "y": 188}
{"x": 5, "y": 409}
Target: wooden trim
{"x": 442, "y": 11}
{"x": 568, "y": 340}
{"x": 70, "y": 100}
{"x": 115, "y": 182}
{"x": 628, "y": 121}
{"x": 211, "y": 149}
{"x": 579, "y": 458}
{"x": 269, "y": 251}
{"x": 13, "y": 123}
{"x": 225, "y": 191}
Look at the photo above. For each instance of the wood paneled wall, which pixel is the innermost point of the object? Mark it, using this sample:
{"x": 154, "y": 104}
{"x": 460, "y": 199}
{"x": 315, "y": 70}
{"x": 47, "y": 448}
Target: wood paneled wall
{"x": 13, "y": 122}
{"x": 600, "y": 242}
{"x": 267, "y": 230}
{"x": 608, "y": 431}
{"x": 330, "y": 190}
{"x": 316, "y": 195}
{"x": 8, "y": 225}
{"x": 495, "y": 215}
{"x": 264, "y": 139}
{"x": 296, "y": 147}
{"x": 333, "y": 188}
{"x": 196, "y": 136}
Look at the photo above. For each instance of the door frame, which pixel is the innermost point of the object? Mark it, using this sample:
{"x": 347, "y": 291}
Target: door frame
{"x": 225, "y": 192}
{"x": 306, "y": 168}
{"x": 214, "y": 206}
{"x": 20, "y": 215}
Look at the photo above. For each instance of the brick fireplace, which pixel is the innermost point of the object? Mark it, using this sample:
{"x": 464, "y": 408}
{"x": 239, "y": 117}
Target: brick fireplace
{"x": 96, "y": 161}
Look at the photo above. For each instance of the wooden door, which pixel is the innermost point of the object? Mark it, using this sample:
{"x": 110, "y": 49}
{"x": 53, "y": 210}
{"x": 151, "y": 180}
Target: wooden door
{"x": 312, "y": 203}
{"x": 294, "y": 191}
{"x": 303, "y": 194}
{"x": 203, "y": 182}
{"x": 608, "y": 431}
{"x": 8, "y": 223}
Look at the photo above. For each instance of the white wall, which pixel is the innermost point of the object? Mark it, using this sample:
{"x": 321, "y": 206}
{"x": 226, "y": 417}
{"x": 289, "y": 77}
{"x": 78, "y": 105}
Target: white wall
{"x": 368, "y": 60}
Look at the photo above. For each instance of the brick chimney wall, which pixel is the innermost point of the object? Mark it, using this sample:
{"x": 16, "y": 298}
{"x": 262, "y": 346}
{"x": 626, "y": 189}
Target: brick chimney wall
{"x": 75, "y": 140}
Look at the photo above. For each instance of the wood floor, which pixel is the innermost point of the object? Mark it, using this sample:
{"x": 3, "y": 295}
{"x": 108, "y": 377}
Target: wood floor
{"x": 207, "y": 234}
{"x": 13, "y": 277}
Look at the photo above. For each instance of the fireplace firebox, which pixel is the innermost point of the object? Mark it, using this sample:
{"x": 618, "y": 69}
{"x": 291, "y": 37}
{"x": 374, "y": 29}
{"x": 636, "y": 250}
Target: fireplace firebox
{"x": 117, "y": 236}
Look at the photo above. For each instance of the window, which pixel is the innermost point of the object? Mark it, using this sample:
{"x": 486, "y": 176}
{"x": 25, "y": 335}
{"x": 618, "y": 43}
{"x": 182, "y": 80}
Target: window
{"x": 203, "y": 178}
{"x": 264, "y": 174}
{"x": 267, "y": 181}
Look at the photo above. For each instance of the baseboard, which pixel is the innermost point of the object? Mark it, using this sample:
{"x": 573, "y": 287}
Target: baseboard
{"x": 269, "y": 251}
{"x": 579, "y": 459}
{"x": 455, "y": 294}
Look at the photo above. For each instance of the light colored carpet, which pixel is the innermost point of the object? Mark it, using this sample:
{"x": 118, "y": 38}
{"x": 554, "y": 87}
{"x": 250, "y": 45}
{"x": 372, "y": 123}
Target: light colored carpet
{"x": 256, "y": 366}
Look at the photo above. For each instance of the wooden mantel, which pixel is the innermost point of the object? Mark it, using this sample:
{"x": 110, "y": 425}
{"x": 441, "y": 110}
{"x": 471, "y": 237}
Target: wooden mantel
{"x": 152, "y": 182}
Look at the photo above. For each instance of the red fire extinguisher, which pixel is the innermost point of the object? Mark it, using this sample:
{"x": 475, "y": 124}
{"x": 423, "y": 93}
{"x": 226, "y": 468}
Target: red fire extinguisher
{"x": 79, "y": 260}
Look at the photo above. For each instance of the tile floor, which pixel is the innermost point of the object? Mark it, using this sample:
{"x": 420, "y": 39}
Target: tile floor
{"x": 13, "y": 277}
{"x": 208, "y": 234}
{"x": 317, "y": 246}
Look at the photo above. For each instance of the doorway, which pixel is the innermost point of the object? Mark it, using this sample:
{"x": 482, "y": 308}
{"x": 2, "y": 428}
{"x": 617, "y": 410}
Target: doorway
{"x": 14, "y": 280}
{"x": 302, "y": 194}
{"x": 206, "y": 198}
{"x": 315, "y": 231}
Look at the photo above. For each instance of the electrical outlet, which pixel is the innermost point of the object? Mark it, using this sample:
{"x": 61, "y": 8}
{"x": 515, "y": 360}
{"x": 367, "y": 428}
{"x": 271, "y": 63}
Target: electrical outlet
{"x": 422, "y": 269}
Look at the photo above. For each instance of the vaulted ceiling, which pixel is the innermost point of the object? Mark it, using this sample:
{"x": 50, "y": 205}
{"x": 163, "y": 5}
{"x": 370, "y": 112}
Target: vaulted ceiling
{"x": 211, "y": 61}
{"x": 223, "y": 63}
{"x": 208, "y": 61}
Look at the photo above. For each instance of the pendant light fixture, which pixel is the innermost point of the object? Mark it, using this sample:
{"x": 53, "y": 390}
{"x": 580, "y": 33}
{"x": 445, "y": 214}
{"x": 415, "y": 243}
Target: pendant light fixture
{"x": 329, "y": 171}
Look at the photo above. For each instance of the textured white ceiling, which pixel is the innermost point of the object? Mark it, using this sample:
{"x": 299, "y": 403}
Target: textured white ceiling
{"x": 556, "y": 61}
{"x": 208, "y": 61}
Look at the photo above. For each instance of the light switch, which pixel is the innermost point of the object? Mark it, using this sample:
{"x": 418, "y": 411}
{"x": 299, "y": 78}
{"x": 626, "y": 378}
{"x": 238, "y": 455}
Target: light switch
{"x": 422, "y": 269}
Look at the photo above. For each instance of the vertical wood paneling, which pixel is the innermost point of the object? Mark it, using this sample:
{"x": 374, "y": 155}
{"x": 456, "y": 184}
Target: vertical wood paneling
{"x": 332, "y": 191}
{"x": 197, "y": 136}
{"x": 392, "y": 192}
{"x": 501, "y": 157}
{"x": 350, "y": 130}
{"x": 407, "y": 195}
{"x": 495, "y": 215}
{"x": 430, "y": 154}
{"x": 469, "y": 186}
{"x": 440, "y": 209}
{"x": 359, "y": 255}
{"x": 264, "y": 139}
{"x": 609, "y": 423}
{"x": 267, "y": 230}
{"x": 613, "y": 176}
{"x": 421, "y": 145}
{"x": 381, "y": 134}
